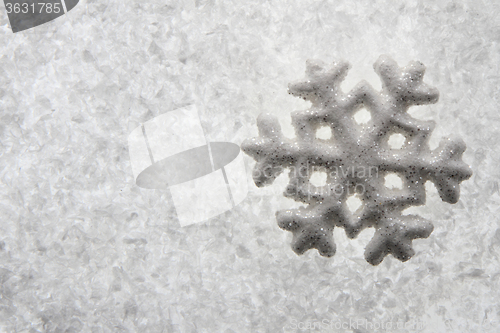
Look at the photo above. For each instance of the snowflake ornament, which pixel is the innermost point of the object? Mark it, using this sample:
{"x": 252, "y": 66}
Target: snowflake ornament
{"x": 356, "y": 160}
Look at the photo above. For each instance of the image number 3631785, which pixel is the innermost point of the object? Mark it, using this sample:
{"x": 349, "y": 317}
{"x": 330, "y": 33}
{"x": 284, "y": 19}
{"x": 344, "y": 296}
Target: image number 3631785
{"x": 27, "y": 14}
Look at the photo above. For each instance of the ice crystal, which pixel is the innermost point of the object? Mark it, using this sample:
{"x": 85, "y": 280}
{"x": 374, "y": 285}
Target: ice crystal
{"x": 357, "y": 158}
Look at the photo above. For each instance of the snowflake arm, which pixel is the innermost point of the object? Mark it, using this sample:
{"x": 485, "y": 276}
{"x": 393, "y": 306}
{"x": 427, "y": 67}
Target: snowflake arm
{"x": 405, "y": 87}
{"x": 310, "y": 230}
{"x": 273, "y": 152}
{"x": 270, "y": 150}
{"x": 321, "y": 87}
{"x": 394, "y": 236}
{"x": 446, "y": 169}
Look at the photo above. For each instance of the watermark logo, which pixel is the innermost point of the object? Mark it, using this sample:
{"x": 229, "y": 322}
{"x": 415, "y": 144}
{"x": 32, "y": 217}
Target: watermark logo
{"x": 299, "y": 179}
{"x": 26, "y": 14}
{"x": 171, "y": 152}
{"x": 355, "y": 325}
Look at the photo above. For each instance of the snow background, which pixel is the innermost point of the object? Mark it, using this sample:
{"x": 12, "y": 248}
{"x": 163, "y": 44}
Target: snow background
{"x": 82, "y": 249}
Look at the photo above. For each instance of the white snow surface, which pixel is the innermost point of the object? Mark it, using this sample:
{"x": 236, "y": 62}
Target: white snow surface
{"x": 84, "y": 249}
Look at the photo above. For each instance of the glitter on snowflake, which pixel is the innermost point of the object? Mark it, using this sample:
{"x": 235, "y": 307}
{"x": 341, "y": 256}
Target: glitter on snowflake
{"x": 357, "y": 159}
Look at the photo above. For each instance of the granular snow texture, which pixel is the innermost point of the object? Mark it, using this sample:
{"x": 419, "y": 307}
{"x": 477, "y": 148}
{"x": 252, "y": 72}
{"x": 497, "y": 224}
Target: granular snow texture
{"x": 83, "y": 249}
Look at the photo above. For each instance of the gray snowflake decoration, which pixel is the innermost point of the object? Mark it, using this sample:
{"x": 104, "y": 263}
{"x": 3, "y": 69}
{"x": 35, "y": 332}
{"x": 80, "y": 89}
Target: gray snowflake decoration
{"x": 357, "y": 158}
